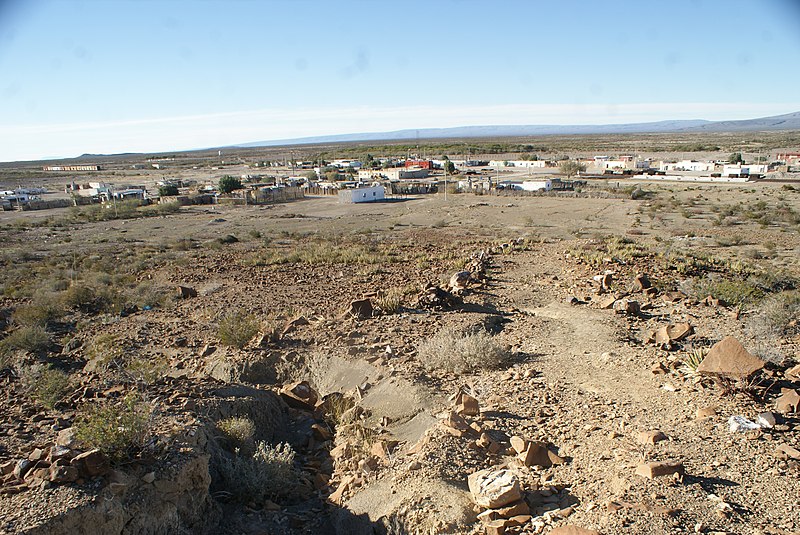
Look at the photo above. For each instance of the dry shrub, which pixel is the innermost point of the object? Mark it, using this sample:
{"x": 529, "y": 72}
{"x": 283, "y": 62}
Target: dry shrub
{"x": 237, "y": 328}
{"x": 777, "y": 318}
{"x": 239, "y": 430}
{"x": 40, "y": 311}
{"x": 267, "y": 474}
{"x": 458, "y": 351}
{"x": 30, "y": 338}
{"x": 390, "y": 302}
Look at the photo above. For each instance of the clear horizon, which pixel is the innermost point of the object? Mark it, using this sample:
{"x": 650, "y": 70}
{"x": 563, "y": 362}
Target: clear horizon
{"x": 157, "y": 76}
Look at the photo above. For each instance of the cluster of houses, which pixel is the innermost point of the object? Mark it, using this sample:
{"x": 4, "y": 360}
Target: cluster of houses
{"x": 106, "y": 192}
{"x": 11, "y": 199}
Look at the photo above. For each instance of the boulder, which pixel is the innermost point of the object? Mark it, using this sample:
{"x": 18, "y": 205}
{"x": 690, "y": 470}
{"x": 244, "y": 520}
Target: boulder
{"x": 467, "y": 405}
{"x": 299, "y": 395}
{"x": 494, "y": 488}
{"x": 63, "y": 474}
{"x": 729, "y": 359}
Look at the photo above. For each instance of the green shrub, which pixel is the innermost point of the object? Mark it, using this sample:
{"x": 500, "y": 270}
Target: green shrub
{"x": 116, "y": 429}
{"x": 237, "y": 328}
{"x": 268, "y": 474}
{"x": 80, "y": 297}
{"x": 49, "y": 386}
{"x": 229, "y": 183}
{"x": 733, "y": 292}
{"x": 451, "y": 349}
{"x": 167, "y": 190}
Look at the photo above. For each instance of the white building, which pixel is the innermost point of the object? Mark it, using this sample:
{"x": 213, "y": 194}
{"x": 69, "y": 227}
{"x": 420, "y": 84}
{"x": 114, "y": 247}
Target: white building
{"x": 688, "y": 165}
{"x": 537, "y": 185}
{"x": 359, "y": 195}
{"x": 525, "y": 164}
{"x": 744, "y": 169}
{"x": 398, "y": 173}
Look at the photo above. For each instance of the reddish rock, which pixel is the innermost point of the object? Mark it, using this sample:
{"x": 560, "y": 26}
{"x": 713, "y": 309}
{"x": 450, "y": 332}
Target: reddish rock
{"x": 536, "y": 454}
{"x": 640, "y": 283}
{"x": 514, "y": 509}
{"x": 673, "y": 333}
{"x": 729, "y": 359}
{"x": 467, "y": 405}
{"x": 650, "y": 437}
{"x": 91, "y": 463}
{"x": 519, "y": 444}
{"x": 63, "y": 474}
{"x": 793, "y": 373}
{"x": 788, "y": 401}
{"x": 495, "y": 527}
{"x": 658, "y": 469}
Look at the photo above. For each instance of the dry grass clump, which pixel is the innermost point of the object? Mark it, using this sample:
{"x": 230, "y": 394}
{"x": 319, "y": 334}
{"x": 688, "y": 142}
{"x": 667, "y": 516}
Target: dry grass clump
{"x": 390, "y": 302}
{"x": 116, "y": 429}
{"x": 458, "y": 351}
{"x": 40, "y": 311}
{"x": 777, "y": 318}
{"x": 106, "y": 350}
{"x": 237, "y": 328}
{"x": 237, "y": 429}
{"x": 269, "y": 473}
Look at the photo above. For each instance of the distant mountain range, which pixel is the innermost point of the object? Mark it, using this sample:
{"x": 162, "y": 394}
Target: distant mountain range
{"x": 789, "y": 121}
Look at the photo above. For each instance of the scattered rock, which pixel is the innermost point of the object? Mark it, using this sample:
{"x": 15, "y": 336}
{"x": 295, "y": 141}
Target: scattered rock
{"x": 459, "y": 282}
{"x": 673, "y": 333}
{"x": 650, "y": 437}
{"x": 570, "y": 529}
{"x": 740, "y": 424}
{"x": 436, "y": 298}
{"x": 793, "y": 373}
{"x": 207, "y": 350}
{"x": 787, "y": 451}
{"x": 92, "y": 463}
{"x": 185, "y": 292}
{"x": 640, "y": 283}
{"x": 729, "y": 359}
{"x": 706, "y": 412}
{"x": 766, "y": 419}
{"x": 149, "y": 477}
{"x": 299, "y": 395}
{"x": 788, "y": 401}
{"x": 658, "y": 469}
{"x": 494, "y": 488}
{"x": 63, "y": 474}
{"x": 67, "y": 438}
{"x": 361, "y": 309}
{"x": 629, "y": 307}
{"x": 467, "y": 405}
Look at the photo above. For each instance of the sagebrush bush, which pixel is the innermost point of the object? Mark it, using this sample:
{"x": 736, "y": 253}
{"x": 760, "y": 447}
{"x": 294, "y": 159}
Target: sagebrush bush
{"x": 237, "y": 328}
{"x": 452, "y": 349}
{"x": 237, "y": 429}
{"x": 267, "y": 474}
{"x": 116, "y": 429}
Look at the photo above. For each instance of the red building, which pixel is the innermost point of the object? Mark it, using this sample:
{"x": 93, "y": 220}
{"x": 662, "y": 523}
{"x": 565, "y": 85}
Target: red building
{"x": 422, "y": 164}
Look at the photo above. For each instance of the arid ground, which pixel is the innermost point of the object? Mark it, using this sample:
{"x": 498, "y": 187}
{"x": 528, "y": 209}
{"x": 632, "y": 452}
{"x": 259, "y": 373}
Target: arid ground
{"x": 153, "y": 367}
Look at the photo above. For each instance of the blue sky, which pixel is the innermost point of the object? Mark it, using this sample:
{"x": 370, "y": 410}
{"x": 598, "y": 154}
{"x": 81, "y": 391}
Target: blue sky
{"x": 112, "y": 76}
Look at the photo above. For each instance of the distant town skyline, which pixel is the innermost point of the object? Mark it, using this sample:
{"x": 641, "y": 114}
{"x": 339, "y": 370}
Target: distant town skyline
{"x": 150, "y": 76}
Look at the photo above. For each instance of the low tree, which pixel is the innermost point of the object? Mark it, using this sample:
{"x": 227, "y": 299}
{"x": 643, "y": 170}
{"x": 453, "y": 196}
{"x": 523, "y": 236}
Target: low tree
{"x": 229, "y": 183}
{"x": 449, "y": 167}
{"x": 311, "y": 175}
{"x": 571, "y": 167}
{"x": 735, "y": 158}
